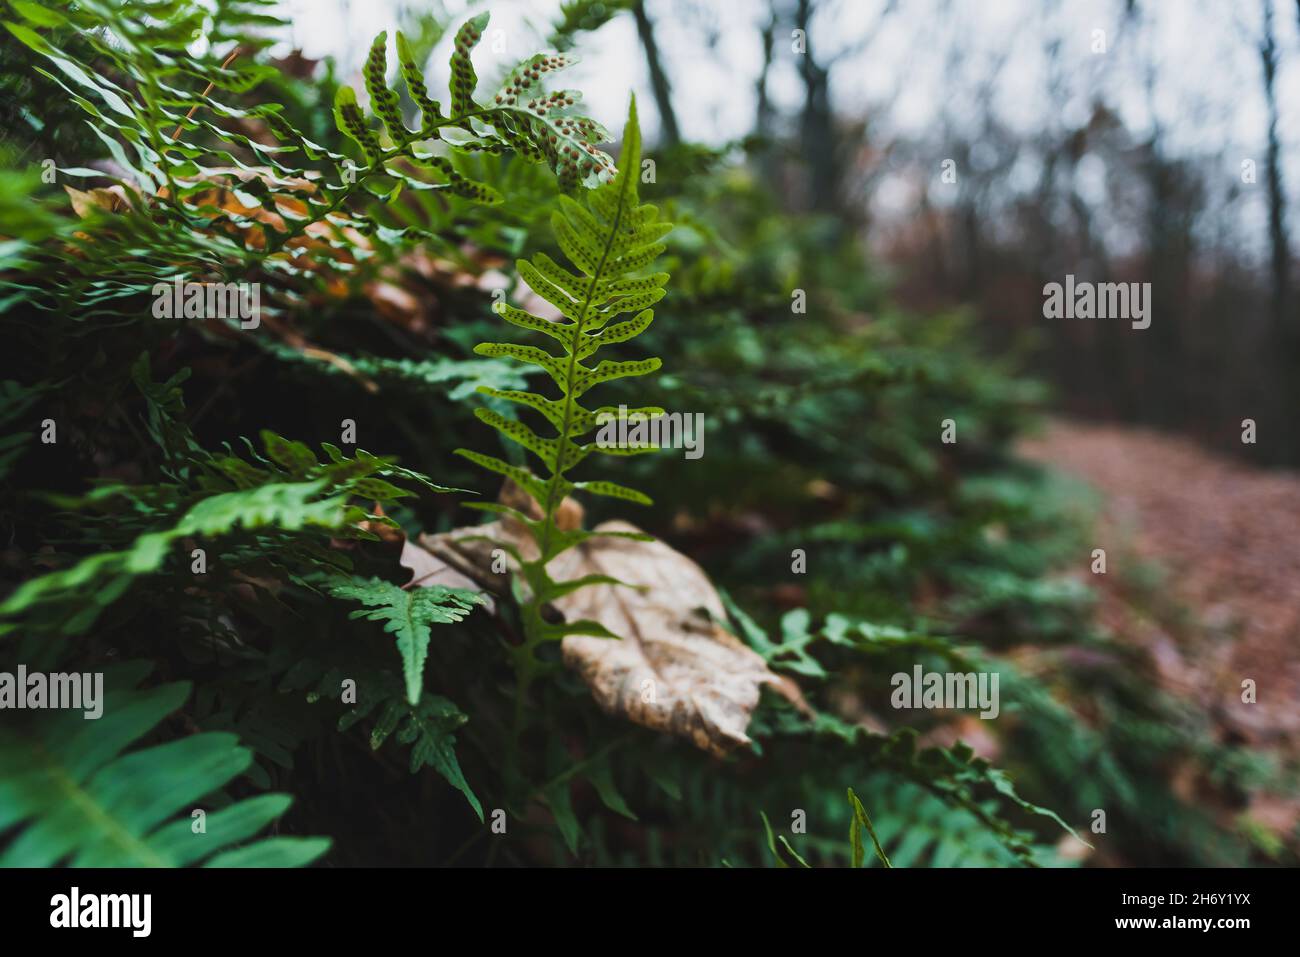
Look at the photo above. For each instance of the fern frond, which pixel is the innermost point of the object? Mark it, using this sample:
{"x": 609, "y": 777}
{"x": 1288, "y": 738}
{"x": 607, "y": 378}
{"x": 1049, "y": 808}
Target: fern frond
{"x": 75, "y": 798}
{"x": 409, "y": 614}
{"x": 608, "y": 240}
{"x": 104, "y": 577}
{"x": 428, "y": 726}
{"x": 156, "y": 130}
{"x": 521, "y": 116}
{"x": 289, "y": 489}
{"x": 862, "y": 821}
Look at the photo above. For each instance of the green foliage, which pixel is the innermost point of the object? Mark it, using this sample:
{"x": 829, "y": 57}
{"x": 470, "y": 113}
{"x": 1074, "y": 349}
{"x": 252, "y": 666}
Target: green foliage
{"x": 157, "y": 132}
{"x": 860, "y": 822}
{"x": 610, "y": 241}
{"x": 76, "y": 798}
{"x": 521, "y": 117}
{"x": 287, "y": 506}
{"x": 15, "y": 400}
{"x": 211, "y": 496}
{"x": 773, "y": 839}
{"x": 577, "y": 16}
{"x": 409, "y": 614}
{"x": 921, "y": 830}
{"x": 427, "y": 725}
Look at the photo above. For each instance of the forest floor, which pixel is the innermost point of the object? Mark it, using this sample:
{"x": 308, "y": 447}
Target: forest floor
{"x": 1203, "y": 570}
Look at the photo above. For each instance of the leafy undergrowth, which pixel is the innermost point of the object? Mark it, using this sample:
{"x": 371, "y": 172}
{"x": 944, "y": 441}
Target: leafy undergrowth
{"x": 190, "y": 497}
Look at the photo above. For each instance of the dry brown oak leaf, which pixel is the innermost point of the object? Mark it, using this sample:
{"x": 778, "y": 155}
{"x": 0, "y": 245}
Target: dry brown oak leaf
{"x": 672, "y": 669}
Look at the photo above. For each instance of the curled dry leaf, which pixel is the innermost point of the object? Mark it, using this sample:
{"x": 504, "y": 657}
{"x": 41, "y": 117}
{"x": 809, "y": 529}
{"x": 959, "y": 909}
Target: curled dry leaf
{"x": 85, "y": 203}
{"x": 673, "y": 668}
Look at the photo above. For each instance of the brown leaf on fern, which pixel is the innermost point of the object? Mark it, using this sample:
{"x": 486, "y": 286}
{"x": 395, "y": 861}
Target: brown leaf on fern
{"x": 674, "y": 668}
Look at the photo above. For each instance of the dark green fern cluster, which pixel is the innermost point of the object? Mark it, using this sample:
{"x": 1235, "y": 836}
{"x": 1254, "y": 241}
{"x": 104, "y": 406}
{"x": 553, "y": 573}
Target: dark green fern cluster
{"x": 172, "y": 140}
{"x": 214, "y": 548}
{"x": 283, "y": 501}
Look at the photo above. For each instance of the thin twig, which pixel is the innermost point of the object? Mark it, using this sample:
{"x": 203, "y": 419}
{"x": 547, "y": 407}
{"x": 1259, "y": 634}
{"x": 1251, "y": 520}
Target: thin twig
{"x": 211, "y": 86}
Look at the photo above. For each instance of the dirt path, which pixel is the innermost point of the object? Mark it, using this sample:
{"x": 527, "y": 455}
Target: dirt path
{"x": 1228, "y": 536}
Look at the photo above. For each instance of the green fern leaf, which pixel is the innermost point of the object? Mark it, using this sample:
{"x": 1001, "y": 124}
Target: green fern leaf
{"x": 862, "y": 821}
{"x": 430, "y": 110}
{"x": 609, "y": 240}
{"x": 290, "y": 506}
{"x": 544, "y": 126}
{"x": 383, "y": 100}
{"x": 409, "y": 614}
{"x": 429, "y": 732}
{"x": 428, "y": 727}
{"x": 350, "y": 120}
{"x": 463, "y": 79}
{"x": 75, "y": 798}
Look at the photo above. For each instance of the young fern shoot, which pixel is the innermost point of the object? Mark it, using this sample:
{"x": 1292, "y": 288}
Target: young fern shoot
{"x": 611, "y": 240}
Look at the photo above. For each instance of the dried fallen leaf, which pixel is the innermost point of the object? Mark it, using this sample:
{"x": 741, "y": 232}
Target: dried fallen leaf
{"x": 674, "y": 669}
{"x": 427, "y": 570}
{"x": 85, "y": 203}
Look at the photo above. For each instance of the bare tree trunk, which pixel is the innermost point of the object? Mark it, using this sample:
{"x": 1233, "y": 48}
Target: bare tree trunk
{"x": 1276, "y": 193}
{"x": 817, "y": 130}
{"x": 658, "y": 78}
{"x": 763, "y": 114}
{"x": 766, "y": 158}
